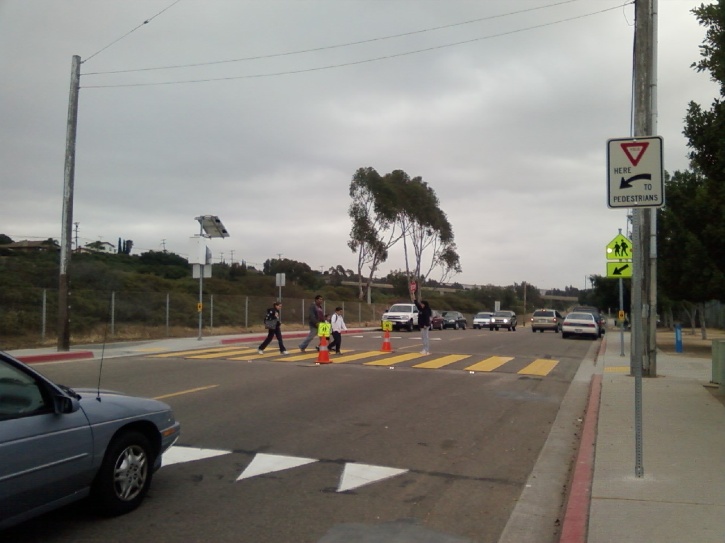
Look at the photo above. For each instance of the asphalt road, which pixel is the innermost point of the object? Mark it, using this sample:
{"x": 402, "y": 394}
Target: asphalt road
{"x": 363, "y": 452}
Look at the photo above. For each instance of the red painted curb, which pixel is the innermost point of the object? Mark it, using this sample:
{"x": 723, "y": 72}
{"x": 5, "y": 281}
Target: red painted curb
{"x": 576, "y": 517}
{"x": 53, "y": 357}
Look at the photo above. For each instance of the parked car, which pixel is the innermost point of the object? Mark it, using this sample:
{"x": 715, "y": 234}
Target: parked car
{"x": 601, "y": 319}
{"x": 482, "y": 320}
{"x": 546, "y": 319}
{"x": 58, "y": 445}
{"x": 436, "y": 321}
{"x": 402, "y": 316}
{"x": 454, "y": 319}
{"x": 580, "y": 324}
{"x": 503, "y": 319}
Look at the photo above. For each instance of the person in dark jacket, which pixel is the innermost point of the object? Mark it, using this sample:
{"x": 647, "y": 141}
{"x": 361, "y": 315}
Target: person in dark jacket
{"x": 273, "y": 322}
{"x": 424, "y": 316}
{"x": 315, "y": 316}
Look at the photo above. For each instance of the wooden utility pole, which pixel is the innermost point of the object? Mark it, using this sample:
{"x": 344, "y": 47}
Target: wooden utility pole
{"x": 644, "y": 220}
{"x": 65, "y": 238}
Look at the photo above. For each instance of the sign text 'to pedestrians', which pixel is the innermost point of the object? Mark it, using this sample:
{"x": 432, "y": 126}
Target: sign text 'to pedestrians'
{"x": 634, "y": 172}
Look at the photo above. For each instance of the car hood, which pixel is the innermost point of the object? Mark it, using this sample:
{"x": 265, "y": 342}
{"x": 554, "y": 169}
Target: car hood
{"x": 107, "y": 405}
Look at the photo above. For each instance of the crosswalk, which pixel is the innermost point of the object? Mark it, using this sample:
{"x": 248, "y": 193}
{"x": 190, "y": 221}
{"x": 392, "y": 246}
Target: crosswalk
{"x": 471, "y": 363}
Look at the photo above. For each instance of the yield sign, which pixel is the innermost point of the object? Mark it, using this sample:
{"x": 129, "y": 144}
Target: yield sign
{"x": 635, "y": 175}
{"x": 635, "y": 150}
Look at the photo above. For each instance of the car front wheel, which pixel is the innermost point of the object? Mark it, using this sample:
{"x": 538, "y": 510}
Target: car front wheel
{"x": 125, "y": 474}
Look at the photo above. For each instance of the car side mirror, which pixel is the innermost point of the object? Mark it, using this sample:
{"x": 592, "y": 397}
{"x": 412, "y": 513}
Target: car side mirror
{"x": 65, "y": 404}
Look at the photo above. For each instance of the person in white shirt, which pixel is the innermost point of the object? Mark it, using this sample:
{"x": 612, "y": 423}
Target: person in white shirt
{"x": 338, "y": 326}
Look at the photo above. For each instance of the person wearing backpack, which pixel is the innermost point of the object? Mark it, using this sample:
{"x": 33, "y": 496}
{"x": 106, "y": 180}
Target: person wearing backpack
{"x": 273, "y": 324}
{"x": 338, "y": 326}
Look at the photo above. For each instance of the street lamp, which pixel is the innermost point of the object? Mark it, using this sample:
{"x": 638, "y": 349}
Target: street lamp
{"x": 210, "y": 226}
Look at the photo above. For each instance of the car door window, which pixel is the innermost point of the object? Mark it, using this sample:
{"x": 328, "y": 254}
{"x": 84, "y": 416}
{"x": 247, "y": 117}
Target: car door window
{"x": 20, "y": 394}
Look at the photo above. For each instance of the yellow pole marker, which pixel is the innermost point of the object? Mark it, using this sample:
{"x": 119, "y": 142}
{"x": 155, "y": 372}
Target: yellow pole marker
{"x": 540, "y": 366}
{"x": 489, "y": 364}
{"x": 389, "y": 361}
{"x": 190, "y": 391}
{"x": 442, "y": 361}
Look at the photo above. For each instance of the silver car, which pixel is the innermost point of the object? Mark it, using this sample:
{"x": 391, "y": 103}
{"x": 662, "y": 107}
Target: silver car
{"x": 58, "y": 445}
{"x": 482, "y": 320}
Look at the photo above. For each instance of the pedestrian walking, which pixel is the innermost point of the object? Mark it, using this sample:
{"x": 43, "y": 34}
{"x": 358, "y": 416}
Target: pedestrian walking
{"x": 424, "y": 317}
{"x": 273, "y": 324}
{"x": 338, "y": 327}
{"x": 315, "y": 316}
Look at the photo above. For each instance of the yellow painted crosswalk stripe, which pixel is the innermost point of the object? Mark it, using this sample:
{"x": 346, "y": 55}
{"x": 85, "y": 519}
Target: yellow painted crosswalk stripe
{"x": 356, "y": 356}
{"x": 489, "y": 364}
{"x": 295, "y": 358}
{"x": 442, "y": 361}
{"x": 394, "y": 359}
{"x": 226, "y": 354}
{"x": 218, "y": 350}
{"x": 540, "y": 366}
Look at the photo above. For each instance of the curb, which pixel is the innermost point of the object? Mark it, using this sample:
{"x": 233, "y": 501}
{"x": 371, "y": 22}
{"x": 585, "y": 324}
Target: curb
{"x": 576, "y": 516}
{"x": 53, "y": 357}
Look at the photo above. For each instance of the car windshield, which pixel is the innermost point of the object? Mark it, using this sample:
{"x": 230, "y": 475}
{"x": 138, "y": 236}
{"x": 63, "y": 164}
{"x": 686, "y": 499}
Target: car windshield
{"x": 483, "y": 314}
{"x": 543, "y": 313}
{"x": 502, "y": 314}
{"x": 400, "y": 308}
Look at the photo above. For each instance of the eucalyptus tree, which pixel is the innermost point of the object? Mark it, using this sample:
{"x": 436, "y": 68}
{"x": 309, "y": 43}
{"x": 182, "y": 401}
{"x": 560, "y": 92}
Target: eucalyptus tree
{"x": 425, "y": 229}
{"x": 373, "y": 211}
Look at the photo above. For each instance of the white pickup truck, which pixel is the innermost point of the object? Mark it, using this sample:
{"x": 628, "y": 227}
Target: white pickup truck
{"x": 402, "y": 316}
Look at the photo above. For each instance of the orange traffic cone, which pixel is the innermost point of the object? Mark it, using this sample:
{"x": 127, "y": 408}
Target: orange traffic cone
{"x": 323, "y": 356}
{"x": 386, "y": 348}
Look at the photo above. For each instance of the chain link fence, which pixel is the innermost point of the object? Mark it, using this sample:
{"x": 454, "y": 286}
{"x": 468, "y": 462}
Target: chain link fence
{"x": 29, "y": 317}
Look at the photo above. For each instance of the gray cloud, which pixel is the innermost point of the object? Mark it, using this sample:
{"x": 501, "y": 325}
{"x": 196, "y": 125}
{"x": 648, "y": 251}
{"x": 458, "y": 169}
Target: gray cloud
{"x": 509, "y": 130}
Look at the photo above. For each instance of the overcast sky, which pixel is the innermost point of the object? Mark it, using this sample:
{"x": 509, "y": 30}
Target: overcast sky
{"x": 502, "y": 107}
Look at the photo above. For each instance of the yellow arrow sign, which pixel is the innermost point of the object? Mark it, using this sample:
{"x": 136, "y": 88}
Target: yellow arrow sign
{"x": 619, "y": 269}
{"x": 620, "y": 248}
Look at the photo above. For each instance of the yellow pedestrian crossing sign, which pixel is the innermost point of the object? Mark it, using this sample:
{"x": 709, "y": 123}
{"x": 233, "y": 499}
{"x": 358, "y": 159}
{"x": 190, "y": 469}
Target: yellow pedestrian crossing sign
{"x": 619, "y": 269}
{"x": 620, "y": 248}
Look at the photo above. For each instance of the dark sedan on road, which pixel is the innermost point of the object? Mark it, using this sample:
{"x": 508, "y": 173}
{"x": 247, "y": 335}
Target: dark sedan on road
{"x": 454, "y": 319}
{"x": 58, "y": 445}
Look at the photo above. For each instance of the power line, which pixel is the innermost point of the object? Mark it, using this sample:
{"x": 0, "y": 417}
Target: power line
{"x": 147, "y": 21}
{"x": 328, "y": 47}
{"x": 364, "y": 61}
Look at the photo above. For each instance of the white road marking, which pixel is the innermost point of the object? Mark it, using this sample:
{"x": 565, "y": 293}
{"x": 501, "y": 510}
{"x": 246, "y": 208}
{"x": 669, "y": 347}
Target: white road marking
{"x": 179, "y": 455}
{"x": 357, "y": 475}
{"x": 269, "y": 463}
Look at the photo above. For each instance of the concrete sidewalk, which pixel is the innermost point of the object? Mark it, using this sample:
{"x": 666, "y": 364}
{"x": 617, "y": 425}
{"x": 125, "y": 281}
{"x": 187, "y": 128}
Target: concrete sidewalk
{"x": 681, "y": 495}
